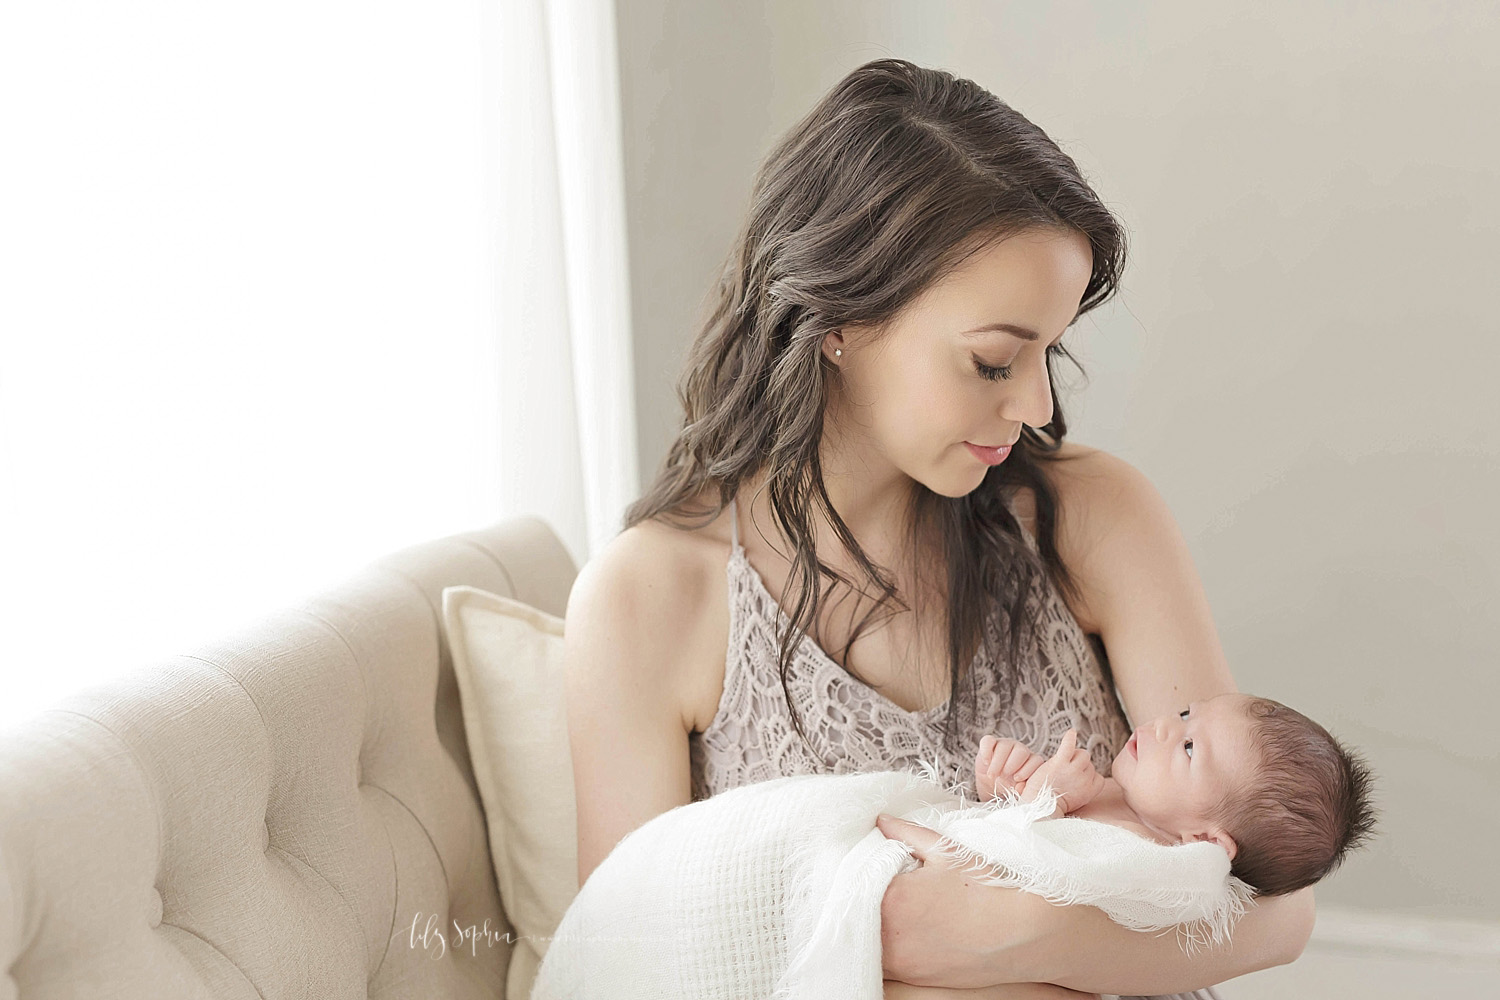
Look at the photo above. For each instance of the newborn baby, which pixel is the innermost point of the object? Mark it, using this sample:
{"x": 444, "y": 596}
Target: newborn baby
{"x": 773, "y": 889}
{"x": 1271, "y": 787}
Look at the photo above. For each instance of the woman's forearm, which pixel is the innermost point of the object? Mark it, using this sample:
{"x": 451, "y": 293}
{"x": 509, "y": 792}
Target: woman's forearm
{"x": 1084, "y": 950}
{"x": 941, "y": 927}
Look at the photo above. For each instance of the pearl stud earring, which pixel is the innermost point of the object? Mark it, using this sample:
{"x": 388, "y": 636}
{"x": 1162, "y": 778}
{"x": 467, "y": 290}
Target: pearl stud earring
{"x": 838, "y": 353}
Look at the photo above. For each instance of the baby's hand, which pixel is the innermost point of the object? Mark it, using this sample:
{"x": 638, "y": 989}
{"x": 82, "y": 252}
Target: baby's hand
{"x": 1003, "y": 764}
{"x": 1071, "y": 772}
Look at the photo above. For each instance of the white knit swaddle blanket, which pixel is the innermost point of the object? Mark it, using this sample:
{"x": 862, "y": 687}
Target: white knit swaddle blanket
{"x": 772, "y": 891}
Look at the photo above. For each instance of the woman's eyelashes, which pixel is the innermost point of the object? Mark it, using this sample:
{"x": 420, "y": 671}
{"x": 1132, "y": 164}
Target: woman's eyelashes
{"x": 991, "y": 372}
{"x": 995, "y": 373}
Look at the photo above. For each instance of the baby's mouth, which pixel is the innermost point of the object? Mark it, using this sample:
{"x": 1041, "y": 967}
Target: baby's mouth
{"x": 1130, "y": 746}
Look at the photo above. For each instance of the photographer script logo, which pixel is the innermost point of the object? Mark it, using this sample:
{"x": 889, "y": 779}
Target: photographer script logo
{"x": 432, "y": 938}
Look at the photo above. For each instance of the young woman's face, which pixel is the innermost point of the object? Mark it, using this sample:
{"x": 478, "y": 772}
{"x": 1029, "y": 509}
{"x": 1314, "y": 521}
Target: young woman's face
{"x": 1173, "y": 771}
{"x": 913, "y": 402}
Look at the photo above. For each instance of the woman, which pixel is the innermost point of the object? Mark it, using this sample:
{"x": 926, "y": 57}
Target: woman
{"x": 871, "y": 429}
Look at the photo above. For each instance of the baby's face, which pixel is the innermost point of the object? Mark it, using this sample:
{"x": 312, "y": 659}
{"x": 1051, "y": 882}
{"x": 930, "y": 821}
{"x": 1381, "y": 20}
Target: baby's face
{"x": 1175, "y": 769}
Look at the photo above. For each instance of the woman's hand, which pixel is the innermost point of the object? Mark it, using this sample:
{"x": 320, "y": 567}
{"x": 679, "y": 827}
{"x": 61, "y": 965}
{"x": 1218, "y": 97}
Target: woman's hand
{"x": 938, "y": 926}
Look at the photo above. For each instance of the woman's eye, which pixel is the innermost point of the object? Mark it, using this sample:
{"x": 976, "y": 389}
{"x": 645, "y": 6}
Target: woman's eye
{"x": 1188, "y": 746}
{"x": 990, "y": 371}
{"x": 996, "y": 374}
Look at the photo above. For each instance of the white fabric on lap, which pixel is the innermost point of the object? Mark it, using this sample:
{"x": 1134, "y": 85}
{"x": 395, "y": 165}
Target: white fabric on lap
{"x": 773, "y": 890}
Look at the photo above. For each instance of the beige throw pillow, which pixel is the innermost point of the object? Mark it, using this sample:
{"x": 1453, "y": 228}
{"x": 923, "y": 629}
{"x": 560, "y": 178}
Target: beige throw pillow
{"x": 508, "y": 659}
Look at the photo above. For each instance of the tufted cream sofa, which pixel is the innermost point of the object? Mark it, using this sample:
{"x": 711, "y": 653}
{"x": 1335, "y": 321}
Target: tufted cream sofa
{"x": 288, "y": 812}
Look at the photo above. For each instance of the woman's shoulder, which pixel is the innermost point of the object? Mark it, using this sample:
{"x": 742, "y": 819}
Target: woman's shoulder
{"x": 670, "y": 582}
{"x": 1100, "y": 493}
{"x": 1079, "y": 474}
{"x": 1099, "y": 496}
{"x": 672, "y": 559}
{"x": 1074, "y": 466}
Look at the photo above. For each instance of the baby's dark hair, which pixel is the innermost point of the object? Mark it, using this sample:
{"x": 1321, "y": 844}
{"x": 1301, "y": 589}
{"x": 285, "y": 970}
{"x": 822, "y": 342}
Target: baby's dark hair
{"x": 1308, "y": 806}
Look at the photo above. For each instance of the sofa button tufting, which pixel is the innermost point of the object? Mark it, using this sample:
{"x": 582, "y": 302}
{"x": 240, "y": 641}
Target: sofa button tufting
{"x": 155, "y": 906}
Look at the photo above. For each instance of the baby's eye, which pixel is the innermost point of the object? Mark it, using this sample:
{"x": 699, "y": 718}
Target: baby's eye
{"x": 1188, "y": 746}
{"x": 1183, "y": 714}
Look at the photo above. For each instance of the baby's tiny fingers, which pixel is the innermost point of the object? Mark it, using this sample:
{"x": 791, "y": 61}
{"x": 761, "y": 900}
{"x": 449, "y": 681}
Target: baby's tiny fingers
{"x": 986, "y": 753}
{"x": 1016, "y": 759}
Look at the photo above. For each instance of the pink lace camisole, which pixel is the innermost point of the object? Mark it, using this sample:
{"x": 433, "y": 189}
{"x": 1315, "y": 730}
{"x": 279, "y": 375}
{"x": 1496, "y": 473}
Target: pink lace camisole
{"x": 1060, "y": 684}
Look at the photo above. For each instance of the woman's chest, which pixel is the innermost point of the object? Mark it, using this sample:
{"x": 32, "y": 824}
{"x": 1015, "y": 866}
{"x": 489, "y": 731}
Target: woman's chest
{"x": 896, "y": 644}
{"x": 900, "y": 650}
{"x": 903, "y": 659}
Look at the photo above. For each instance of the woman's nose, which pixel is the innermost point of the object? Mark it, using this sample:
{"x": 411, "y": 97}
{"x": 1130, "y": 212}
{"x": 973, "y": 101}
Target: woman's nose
{"x": 1030, "y": 402}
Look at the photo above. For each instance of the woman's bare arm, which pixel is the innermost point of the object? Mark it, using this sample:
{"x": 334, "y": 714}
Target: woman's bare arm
{"x": 941, "y": 928}
{"x": 1118, "y": 960}
{"x": 1140, "y": 591}
{"x": 627, "y": 724}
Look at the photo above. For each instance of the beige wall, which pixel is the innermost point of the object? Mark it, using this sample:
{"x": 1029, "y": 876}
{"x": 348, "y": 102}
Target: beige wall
{"x": 1304, "y": 357}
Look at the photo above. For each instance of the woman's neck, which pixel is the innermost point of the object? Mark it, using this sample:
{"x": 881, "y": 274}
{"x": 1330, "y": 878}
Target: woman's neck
{"x": 880, "y": 526}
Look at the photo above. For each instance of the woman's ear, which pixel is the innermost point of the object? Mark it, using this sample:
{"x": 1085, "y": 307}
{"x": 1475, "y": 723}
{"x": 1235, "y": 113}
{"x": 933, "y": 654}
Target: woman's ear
{"x": 833, "y": 342}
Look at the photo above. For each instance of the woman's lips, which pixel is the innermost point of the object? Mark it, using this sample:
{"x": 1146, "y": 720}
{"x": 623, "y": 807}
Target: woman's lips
{"x": 989, "y": 456}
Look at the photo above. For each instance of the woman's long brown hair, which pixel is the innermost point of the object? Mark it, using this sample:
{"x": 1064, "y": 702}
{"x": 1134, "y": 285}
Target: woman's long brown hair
{"x": 893, "y": 180}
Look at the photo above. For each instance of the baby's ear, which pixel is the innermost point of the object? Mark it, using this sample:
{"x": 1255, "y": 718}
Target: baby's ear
{"x": 1224, "y": 840}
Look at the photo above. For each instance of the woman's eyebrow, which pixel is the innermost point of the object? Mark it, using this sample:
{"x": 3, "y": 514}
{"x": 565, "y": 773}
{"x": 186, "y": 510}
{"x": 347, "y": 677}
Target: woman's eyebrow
{"x": 1020, "y": 331}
